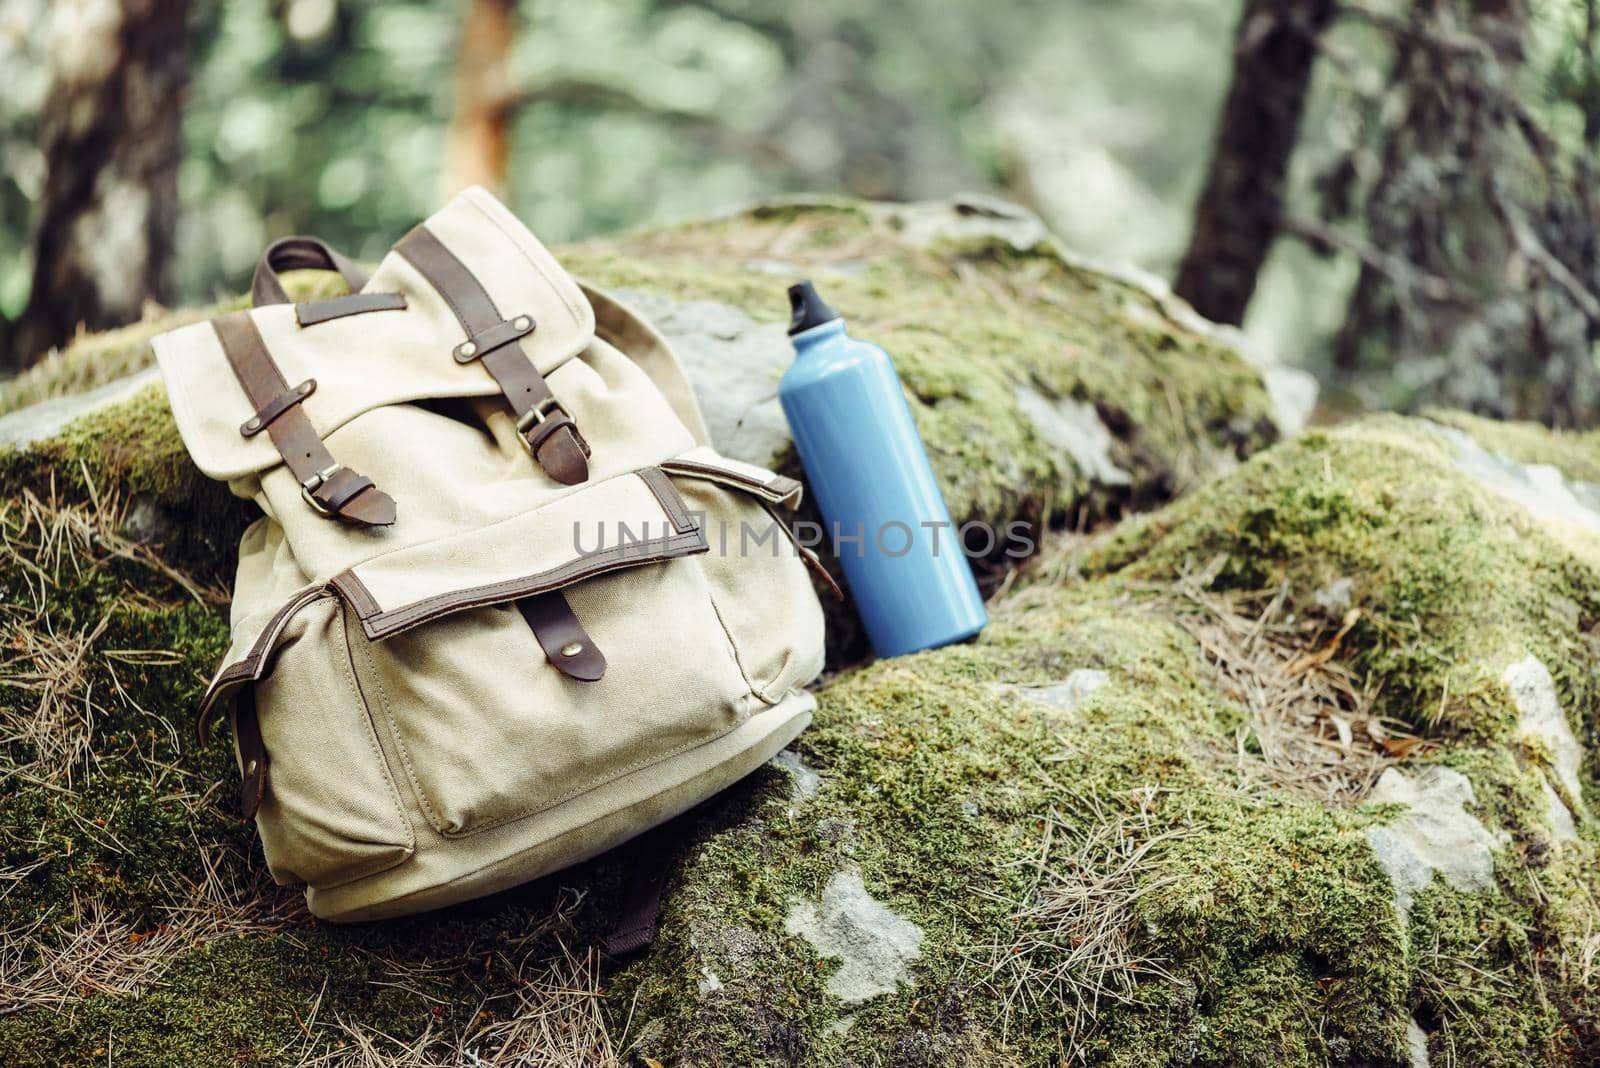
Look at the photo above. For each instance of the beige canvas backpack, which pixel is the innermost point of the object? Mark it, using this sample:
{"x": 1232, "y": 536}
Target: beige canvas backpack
{"x": 507, "y": 607}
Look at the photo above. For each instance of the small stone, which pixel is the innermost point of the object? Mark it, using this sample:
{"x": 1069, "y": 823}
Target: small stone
{"x": 1073, "y": 428}
{"x": 148, "y": 523}
{"x": 1557, "y": 814}
{"x": 1335, "y": 597}
{"x": 874, "y": 944}
{"x": 1064, "y": 696}
{"x": 804, "y": 780}
{"x": 1533, "y": 691}
{"x": 1416, "y": 1044}
{"x": 1437, "y": 835}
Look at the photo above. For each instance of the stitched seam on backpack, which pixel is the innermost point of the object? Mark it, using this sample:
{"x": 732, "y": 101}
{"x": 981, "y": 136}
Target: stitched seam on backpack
{"x": 471, "y": 279}
{"x": 733, "y": 645}
{"x": 400, "y": 741}
{"x": 247, "y": 668}
{"x": 423, "y": 890}
{"x": 642, "y": 762}
{"x": 387, "y": 624}
{"x": 519, "y": 517}
{"x": 595, "y": 783}
{"x": 516, "y": 241}
{"x": 467, "y": 832}
{"x": 410, "y": 844}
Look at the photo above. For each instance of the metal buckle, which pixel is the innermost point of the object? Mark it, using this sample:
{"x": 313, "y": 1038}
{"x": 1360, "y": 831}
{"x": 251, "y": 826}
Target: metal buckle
{"x": 314, "y": 483}
{"x": 531, "y": 418}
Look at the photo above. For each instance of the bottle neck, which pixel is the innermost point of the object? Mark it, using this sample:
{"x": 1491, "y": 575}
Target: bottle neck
{"x": 817, "y": 335}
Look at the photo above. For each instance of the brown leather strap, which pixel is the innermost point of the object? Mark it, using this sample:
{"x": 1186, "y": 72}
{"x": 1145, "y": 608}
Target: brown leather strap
{"x": 648, "y": 859}
{"x": 546, "y": 428}
{"x": 312, "y": 312}
{"x": 805, "y": 552}
{"x": 570, "y": 649}
{"x": 252, "y": 753}
{"x": 276, "y": 407}
{"x": 480, "y": 345}
{"x": 327, "y": 485}
{"x": 298, "y": 254}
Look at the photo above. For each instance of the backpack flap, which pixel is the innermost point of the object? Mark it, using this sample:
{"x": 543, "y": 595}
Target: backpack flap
{"x": 376, "y": 353}
{"x": 627, "y": 521}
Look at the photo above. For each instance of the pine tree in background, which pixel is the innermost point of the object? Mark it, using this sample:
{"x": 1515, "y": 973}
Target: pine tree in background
{"x": 1463, "y": 195}
{"x": 1485, "y": 294}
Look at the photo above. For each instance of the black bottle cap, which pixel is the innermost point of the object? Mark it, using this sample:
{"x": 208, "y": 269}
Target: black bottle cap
{"x": 809, "y": 310}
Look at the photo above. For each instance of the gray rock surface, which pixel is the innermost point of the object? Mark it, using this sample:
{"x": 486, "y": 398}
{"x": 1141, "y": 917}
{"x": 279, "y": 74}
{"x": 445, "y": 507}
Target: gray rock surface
{"x": 1435, "y": 836}
{"x": 875, "y": 945}
{"x": 1416, "y": 1044}
{"x": 1539, "y": 488}
{"x": 46, "y": 419}
{"x": 1543, "y": 723}
{"x": 1073, "y": 428}
{"x": 734, "y": 363}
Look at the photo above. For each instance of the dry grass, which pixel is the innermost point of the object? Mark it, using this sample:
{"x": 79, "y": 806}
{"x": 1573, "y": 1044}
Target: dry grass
{"x": 553, "y": 1019}
{"x": 1070, "y": 944}
{"x": 58, "y": 681}
{"x": 1312, "y": 731}
{"x": 95, "y": 952}
{"x": 44, "y": 536}
{"x": 551, "y": 1016}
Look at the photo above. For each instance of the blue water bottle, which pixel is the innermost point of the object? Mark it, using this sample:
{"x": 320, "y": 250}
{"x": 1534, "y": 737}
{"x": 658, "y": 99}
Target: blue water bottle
{"x": 883, "y": 511}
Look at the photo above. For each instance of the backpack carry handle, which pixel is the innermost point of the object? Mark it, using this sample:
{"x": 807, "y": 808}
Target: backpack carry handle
{"x": 298, "y": 254}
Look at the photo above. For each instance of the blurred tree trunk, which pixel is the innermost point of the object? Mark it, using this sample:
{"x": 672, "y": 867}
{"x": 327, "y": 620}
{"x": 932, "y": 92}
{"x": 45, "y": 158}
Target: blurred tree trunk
{"x": 478, "y": 144}
{"x": 1237, "y": 216}
{"x": 112, "y": 135}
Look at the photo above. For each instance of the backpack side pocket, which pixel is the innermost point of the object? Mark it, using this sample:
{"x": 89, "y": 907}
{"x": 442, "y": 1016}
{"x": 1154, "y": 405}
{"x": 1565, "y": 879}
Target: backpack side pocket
{"x": 330, "y": 812}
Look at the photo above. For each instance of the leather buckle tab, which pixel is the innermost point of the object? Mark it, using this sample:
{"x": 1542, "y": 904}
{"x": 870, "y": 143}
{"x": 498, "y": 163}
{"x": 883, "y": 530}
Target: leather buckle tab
{"x": 276, "y": 407}
{"x": 487, "y": 340}
{"x": 316, "y": 482}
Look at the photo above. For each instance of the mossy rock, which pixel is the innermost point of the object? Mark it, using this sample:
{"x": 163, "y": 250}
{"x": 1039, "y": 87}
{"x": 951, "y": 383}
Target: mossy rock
{"x": 1046, "y": 388}
{"x": 1175, "y": 806}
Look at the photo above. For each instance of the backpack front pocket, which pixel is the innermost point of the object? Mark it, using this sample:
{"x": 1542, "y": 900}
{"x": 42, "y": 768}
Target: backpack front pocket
{"x": 487, "y": 729}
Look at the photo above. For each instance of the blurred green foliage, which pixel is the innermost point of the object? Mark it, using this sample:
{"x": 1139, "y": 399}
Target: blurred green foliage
{"x": 329, "y": 117}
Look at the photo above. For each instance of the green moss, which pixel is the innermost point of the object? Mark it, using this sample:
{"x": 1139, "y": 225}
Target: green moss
{"x": 1269, "y": 912}
{"x": 132, "y": 452}
{"x": 1575, "y": 455}
{"x": 1452, "y": 582}
{"x": 1268, "y": 929}
{"x": 92, "y": 360}
{"x": 969, "y": 325}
